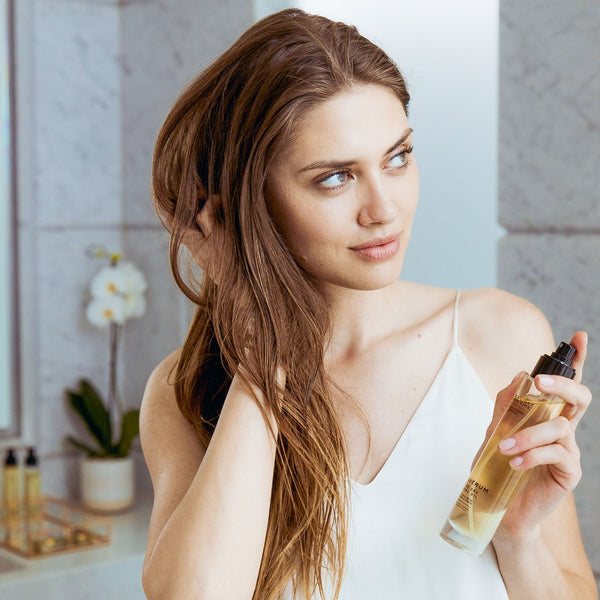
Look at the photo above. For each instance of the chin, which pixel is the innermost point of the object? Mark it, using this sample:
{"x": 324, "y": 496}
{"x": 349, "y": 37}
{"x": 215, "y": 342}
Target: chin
{"x": 361, "y": 277}
{"x": 372, "y": 281}
{"x": 377, "y": 285}
{"x": 377, "y": 279}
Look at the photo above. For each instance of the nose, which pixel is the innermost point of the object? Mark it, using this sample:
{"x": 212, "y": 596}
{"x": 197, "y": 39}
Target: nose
{"x": 376, "y": 206}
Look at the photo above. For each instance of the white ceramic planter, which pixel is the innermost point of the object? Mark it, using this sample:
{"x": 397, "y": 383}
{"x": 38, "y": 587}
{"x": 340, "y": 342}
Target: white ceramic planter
{"x": 107, "y": 484}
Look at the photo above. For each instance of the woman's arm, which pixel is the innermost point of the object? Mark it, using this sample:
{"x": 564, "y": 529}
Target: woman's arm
{"x": 538, "y": 543}
{"x": 541, "y": 525}
{"x": 211, "y": 508}
{"x": 551, "y": 563}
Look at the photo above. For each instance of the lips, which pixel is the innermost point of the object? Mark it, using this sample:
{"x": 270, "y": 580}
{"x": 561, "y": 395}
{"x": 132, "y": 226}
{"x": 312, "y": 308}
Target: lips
{"x": 377, "y": 249}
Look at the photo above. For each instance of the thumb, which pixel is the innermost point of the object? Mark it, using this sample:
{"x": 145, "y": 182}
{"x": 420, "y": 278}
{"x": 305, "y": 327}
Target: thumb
{"x": 506, "y": 394}
{"x": 503, "y": 399}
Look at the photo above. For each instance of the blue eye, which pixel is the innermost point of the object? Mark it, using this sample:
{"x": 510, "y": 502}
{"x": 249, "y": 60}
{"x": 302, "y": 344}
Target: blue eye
{"x": 335, "y": 180}
{"x": 399, "y": 160}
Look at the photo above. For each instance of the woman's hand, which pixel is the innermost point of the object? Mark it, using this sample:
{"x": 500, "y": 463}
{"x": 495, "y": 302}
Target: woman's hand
{"x": 551, "y": 446}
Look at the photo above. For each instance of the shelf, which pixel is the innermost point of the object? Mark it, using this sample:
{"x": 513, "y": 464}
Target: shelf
{"x": 97, "y": 572}
{"x": 60, "y": 527}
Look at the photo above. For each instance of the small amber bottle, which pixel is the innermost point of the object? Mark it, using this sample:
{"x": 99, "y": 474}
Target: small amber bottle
{"x": 10, "y": 485}
{"x": 32, "y": 485}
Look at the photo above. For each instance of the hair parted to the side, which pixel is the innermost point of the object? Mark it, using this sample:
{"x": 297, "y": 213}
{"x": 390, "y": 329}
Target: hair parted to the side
{"x": 265, "y": 313}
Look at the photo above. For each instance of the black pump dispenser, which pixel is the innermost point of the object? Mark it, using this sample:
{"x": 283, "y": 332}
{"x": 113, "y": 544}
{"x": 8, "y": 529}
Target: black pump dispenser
{"x": 11, "y": 459}
{"x": 31, "y": 458}
{"x": 559, "y": 363}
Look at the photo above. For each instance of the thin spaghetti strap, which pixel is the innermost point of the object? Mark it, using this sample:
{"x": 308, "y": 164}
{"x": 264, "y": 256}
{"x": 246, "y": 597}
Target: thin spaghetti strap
{"x": 455, "y": 323}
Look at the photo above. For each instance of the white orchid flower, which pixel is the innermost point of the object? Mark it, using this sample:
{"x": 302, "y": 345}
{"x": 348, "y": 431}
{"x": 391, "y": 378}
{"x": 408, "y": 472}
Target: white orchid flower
{"x": 108, "y": 282}
{"x": 135, "y": 306}
{"x": 117, "y": 294}
{"x": 101, "y": 312}
{"x": 134, "y": 281}
{"x": 122, "y": 279}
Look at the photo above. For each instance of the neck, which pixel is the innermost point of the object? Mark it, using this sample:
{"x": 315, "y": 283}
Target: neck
{"x": 359, "y": 318}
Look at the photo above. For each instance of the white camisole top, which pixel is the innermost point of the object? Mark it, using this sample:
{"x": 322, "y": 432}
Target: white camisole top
{"x": 394, "y": 548}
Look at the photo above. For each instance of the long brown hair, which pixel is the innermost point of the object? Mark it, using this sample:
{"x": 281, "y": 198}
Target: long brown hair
{"x": 265, "y": 313}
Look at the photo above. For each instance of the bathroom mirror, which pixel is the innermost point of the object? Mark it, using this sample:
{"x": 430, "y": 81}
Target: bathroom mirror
{"x": 9, "y": 413}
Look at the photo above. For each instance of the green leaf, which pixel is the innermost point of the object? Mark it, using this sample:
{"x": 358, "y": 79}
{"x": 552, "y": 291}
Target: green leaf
{"x": 130, "y": 428}
{"x": 95, "y": 400}
{"x": 90, "y": 451}
{"x": 88, "y": 405}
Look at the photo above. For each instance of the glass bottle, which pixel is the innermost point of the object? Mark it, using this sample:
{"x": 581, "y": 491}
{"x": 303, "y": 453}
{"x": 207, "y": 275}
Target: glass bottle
{"x": 493, "y": 483}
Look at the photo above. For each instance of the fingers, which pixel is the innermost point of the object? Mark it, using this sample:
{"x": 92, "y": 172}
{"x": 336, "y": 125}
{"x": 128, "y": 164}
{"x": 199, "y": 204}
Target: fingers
{"x": 577, "y": 396}
{"x": 579, "y": 341}
{"x": 552, "y": 444}
{"x": 542, "y": 434}
{"x": 565, "y": 467}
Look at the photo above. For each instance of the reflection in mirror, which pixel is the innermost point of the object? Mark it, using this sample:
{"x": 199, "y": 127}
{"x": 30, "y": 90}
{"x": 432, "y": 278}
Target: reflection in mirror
{"x": 9, "y": 422}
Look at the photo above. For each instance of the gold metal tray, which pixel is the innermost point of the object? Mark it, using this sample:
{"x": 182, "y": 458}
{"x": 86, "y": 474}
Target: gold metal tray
{"x": 60, "y": 527}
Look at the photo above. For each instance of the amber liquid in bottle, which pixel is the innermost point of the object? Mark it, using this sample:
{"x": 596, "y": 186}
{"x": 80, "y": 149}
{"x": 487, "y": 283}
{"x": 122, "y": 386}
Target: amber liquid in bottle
{"x": 10, "y": 486}
{"x": 31, "y": 481}
{"x": 493, "y": 483}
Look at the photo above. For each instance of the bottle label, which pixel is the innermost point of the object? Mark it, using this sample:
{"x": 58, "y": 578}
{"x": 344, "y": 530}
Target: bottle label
{"x": 519, "y": 406}
{"x": 470, "y": 493}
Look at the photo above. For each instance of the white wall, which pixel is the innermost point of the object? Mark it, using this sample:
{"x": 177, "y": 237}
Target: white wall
{"x": 448, "y": 53}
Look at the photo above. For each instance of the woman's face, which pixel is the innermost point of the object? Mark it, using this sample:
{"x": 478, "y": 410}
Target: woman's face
{"x": 344, "y": 192}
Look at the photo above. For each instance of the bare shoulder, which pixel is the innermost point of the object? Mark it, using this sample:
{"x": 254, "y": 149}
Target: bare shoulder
{"x": 160, "y": 381}
{"x": 159, "y": 401}
{"x": 167, "y": 437}
{"x": 171, "y": 447}
{"x": 495, "y": 312}
{"x": 502, "y": 334}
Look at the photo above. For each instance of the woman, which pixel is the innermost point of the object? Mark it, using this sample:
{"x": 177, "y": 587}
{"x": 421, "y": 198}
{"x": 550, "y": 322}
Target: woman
{"x": 311, "y": 435}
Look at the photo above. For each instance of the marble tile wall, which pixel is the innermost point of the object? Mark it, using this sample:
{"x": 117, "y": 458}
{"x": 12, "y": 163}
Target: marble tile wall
{"x": 102, "y": 75}
{"x": 549, "y": 151}
{"x": 163, "y": 45}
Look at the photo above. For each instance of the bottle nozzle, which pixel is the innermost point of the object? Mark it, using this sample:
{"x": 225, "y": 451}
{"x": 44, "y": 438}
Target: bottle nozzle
{"x": 564, "y": 353}
{"x": 559, "y": 363}
{"x": 32, "y": 459}
{"x": 10, "y": 458}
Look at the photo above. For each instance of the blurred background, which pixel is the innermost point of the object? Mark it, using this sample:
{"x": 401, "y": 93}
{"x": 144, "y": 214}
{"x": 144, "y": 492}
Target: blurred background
{"x": 505, "y": 105}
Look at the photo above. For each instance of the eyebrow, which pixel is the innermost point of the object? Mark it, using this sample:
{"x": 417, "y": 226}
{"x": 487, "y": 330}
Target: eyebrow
{"x": 336, "y": 164}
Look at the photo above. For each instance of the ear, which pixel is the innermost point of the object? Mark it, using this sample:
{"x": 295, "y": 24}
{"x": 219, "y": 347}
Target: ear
{"x": 206, "y": 239}
{"x": 195, "y": 238}
{"x": 205, "y": 219}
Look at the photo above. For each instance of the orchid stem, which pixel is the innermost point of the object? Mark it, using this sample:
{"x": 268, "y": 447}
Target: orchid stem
{"x": 114, "y": 405}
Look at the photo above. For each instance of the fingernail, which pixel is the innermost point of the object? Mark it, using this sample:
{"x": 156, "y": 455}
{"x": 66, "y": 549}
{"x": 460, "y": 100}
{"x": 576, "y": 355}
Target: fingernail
{"x": 515, "y": 377}
{"x": 515, "y": 462}
{"x": 507, "y": 444}
{"x": 546, "y": 380}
